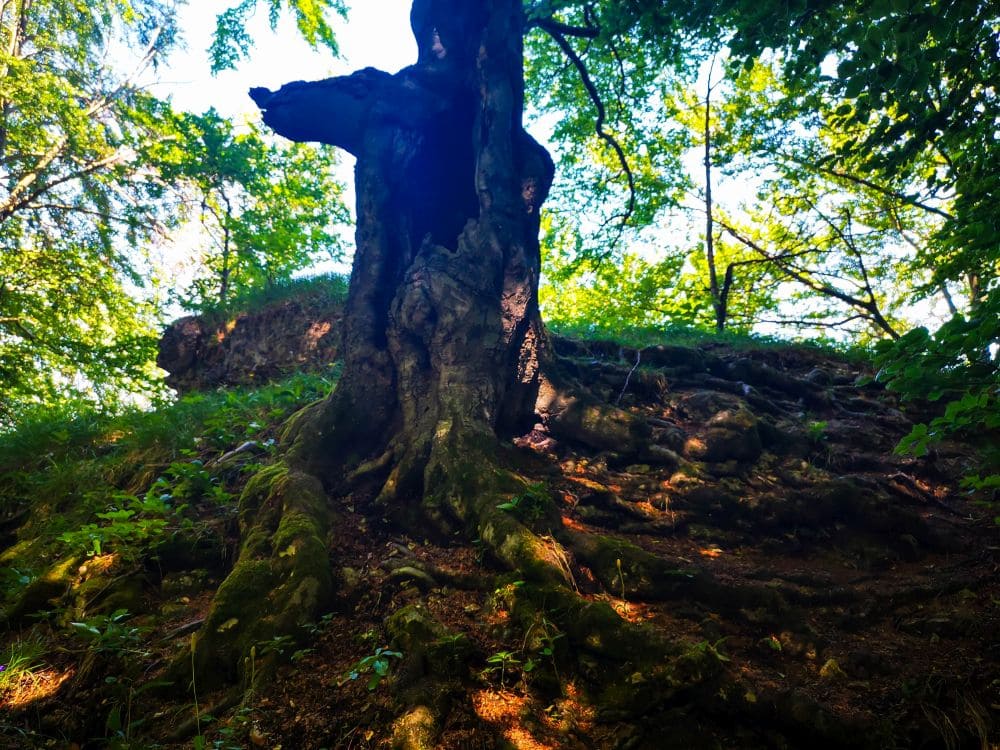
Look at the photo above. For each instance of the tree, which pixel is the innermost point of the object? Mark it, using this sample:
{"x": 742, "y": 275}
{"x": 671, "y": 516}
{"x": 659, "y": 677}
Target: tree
{"x": 445, "y": 351}
{"x": 269, "y": 210}
{"x": 72, "y": 186}
{"x": 908, "y": 118}
{"x": 80, "y": 203}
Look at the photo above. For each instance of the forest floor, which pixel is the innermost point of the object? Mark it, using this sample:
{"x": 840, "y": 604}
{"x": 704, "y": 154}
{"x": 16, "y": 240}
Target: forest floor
{"x": 775, "y": 476}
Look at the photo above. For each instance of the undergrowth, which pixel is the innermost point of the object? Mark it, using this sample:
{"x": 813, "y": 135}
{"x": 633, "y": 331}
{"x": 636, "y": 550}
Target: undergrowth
{"x": 90, "y": 484}
{"x": 643, "y": 336}
{"x": 321, "y": 289}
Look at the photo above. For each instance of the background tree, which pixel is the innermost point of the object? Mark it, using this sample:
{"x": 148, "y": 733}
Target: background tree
{"x": 76, "y": 201}
{"x": 268, "y": 209}
{"x": 909, "y": 120}
{"x": 80, "y": 201}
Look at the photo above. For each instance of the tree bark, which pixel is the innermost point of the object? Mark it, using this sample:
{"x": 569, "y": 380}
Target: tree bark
{"x": 444, "y": 348}
{"x": 442, "y": 330}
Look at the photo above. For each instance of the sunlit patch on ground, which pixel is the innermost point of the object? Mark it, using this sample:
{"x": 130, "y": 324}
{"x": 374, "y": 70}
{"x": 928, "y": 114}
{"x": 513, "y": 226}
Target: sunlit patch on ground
{"x": 507, "y": 711}
{"x": 569, "y": 713}
{"x": 528, "y": 724}
{"x": 32, "y": 686}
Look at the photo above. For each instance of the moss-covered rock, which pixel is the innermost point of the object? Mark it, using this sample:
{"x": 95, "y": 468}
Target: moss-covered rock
{"x": 415, "y": 730}
{"x": 44, "y": 592}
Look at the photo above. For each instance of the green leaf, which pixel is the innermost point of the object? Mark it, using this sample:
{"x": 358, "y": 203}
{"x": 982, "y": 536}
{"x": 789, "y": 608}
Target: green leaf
{"x": 86, "y": 629}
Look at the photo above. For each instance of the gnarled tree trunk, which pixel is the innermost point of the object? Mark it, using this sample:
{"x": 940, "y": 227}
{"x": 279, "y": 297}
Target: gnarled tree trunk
{"x": 442, "y": 338}
{"x": 442, "y": 332}
{"x": 444, "y": 349}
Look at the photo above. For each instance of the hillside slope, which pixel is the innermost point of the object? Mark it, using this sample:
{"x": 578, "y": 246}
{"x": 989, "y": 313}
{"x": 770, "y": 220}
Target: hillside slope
{"x": 764, "y": 573}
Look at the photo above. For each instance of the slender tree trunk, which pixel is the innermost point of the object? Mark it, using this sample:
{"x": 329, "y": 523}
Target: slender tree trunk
{"x": 718, "y": 303}
{"x": 224, "y": 275}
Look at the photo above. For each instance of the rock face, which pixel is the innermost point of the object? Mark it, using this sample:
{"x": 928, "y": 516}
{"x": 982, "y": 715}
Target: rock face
{"x": 250, "y": 347}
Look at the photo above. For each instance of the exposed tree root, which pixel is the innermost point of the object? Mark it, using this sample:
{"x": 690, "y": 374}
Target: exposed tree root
{"x": 279, "y": 582}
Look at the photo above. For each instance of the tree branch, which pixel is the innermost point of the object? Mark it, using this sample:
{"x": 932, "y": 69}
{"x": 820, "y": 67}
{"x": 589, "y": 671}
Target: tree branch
{"x": 806, "y": 323}
{"x": 909, "y": 200}
{"x": 868, "y": 307}
{"x": 19, "y": 197}
{"x": 552, "y": 26}
{"x": 604, "y": 135}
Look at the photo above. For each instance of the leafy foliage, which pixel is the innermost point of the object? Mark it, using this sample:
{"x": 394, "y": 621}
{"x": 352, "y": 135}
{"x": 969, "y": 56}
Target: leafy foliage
{"x": 958, "y": 365}
{"x": 85, "y": 474}
{"x": 864, "y": 179}
{"x": 231, "y": 42}
{"x": 377, "y": 664}
{"x": 110, "y": 633}
{"x": 88, "y": 162}
{"x": 269, "y": 210}
{"x": 76, "y": 199}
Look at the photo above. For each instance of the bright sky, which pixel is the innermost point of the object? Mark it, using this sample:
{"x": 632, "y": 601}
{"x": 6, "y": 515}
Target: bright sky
{"x": 377, "y": 34}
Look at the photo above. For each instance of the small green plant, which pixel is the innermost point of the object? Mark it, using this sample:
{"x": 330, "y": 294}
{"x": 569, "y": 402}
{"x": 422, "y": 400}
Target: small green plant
{"x": 530, "y": 504}
{"x": 316, "y": 628}
{"x": 121, "y": 724}
{"x": 111, "y": 633}
{"x": 377, "y": 663}
{"x": 816, "y": 431}
{"x": 541, "y": 638}
{"x": 14, "y": 579}
{"x": 281, "y": 644}
{"x": 230, "y": 736}
{"x": 705, "y": 648}
{"x": 277, "y": 645}
{"x": 502, "y": 662}
{"x": 188, "y": 481}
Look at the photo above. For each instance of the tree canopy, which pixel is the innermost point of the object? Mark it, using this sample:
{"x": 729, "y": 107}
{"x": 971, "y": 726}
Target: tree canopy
{"x": 731, "y": 165}
{"x": 90, "y": 176}
{"x": 866, "y": 133}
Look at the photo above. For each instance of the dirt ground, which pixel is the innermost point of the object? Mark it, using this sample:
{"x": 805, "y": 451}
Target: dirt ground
{"x": 845, "y": 596}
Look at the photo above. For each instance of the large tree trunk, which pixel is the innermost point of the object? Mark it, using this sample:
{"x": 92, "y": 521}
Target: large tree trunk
{"x": 444, "y": 349}
{"x": 442, "y": 338}
{"x": 442, "y": 332}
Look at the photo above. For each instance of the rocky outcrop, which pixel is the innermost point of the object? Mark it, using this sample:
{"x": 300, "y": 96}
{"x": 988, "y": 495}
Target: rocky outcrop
{"x": 250, "y": 347}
